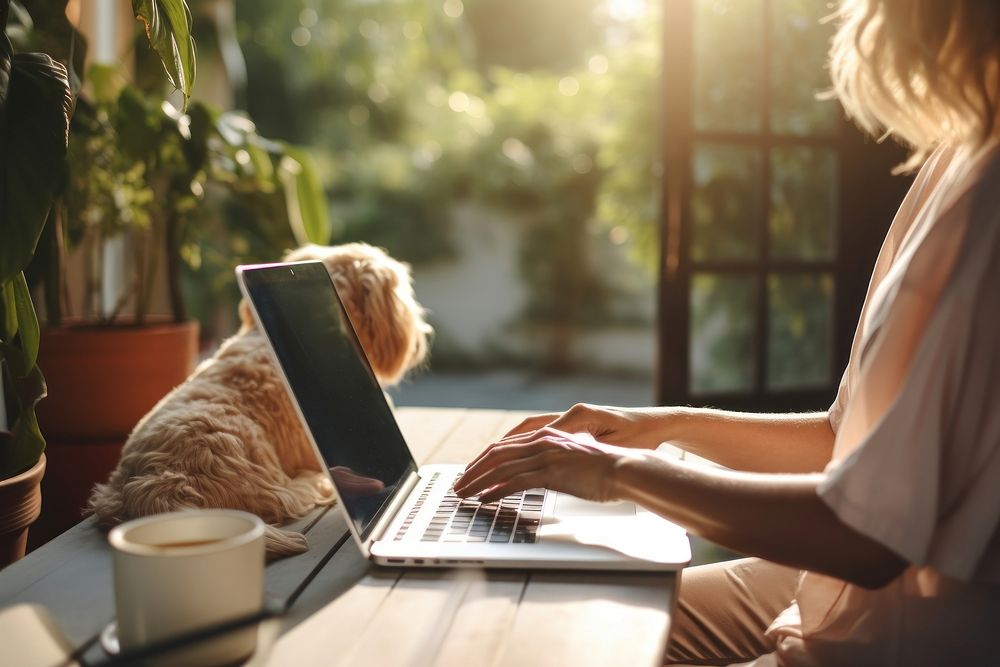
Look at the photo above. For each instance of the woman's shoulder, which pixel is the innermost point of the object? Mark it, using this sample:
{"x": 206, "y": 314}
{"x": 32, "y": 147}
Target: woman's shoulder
{"x": 961, "y": 220}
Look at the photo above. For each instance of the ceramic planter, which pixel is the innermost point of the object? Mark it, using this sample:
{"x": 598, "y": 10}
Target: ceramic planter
{"x": 20, "y": 505}
{"x": 101, "y": 381}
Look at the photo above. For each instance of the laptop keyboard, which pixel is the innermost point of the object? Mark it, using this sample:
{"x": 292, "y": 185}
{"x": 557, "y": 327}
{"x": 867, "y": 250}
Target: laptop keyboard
{"x": 512, "y": 519}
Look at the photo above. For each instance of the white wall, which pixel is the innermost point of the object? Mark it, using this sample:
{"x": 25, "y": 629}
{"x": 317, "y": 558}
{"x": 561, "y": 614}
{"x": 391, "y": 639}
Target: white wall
{"x": 472, "y": 297}
{"x": 475, "y": 297}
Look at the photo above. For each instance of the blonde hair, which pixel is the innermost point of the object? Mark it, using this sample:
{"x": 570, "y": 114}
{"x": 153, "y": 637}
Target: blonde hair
{"x": 925, "y": 71}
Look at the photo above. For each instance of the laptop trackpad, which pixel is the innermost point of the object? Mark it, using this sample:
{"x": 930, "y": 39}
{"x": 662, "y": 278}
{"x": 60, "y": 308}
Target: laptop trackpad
{"x": 568, "y": 506}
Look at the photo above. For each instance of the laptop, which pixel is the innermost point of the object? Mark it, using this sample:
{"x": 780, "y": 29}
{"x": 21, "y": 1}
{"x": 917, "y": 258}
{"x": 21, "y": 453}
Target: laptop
{"x": 404, "y": 515}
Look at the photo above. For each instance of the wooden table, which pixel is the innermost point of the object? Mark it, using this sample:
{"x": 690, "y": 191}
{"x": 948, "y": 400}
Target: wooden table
{"x": 355, "y": 613}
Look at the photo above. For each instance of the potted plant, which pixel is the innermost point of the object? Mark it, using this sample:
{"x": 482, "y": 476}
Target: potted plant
{"x": 35, "y": 105}
{"x": 140, "y": 166}
{"x": 135, "y": 163}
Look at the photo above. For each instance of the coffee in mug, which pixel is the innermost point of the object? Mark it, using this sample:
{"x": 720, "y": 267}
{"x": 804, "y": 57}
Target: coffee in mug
{"x": 181, "y": 571}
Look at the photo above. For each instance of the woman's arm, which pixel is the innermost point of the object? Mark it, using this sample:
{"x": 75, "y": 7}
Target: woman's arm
{"x": 780, "y": 518}
{"x": 754, "y": 442}
{"x": 742, "y": 441}
{"x": 777, "y": 517}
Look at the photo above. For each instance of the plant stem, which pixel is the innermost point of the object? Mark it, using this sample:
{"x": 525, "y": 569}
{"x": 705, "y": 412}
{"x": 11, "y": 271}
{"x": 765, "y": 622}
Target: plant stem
{"x": 142, "y": 277}
{"x": 3, "y": 400}
{"x": 151, "y": 260}
{"x": 173, "y": 268}
{"x": 90, "y": 273}
{"x": 66, "y": 306}
{"x": 54, "y": 281}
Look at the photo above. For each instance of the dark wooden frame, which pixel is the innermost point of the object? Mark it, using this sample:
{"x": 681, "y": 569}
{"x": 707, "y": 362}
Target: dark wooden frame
{"x": 860, "y": 223}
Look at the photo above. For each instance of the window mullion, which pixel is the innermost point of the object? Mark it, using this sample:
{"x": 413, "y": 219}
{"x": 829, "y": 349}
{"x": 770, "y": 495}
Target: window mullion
{"x": 676, "y": 130}
{"x": 763, "y": 232}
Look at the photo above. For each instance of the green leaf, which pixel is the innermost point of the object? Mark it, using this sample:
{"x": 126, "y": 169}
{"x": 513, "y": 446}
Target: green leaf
{"x": 168, "y": 29}
{"x": 306, "y": 203}
{"x": 8, "y": 305}
{"x": 250, "y": 151}
{"x": 106, "y": 82}
{"x": 23, "y": 444}
{"x": 200, "y": 128}
{"x": 137, "y": 125}
{"x": 235, "y": 128}
{"x": 35, "y": 108}
{"x": 6, "y": 66}
{"x": 50, "y": 31}
{"x": 27, "y": 320}
{"x": 260, "y": 160}
{"x": 23, "y": 384}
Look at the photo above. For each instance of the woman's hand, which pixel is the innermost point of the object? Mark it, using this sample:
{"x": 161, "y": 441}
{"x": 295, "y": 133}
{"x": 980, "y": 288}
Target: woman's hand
{"x": 544, "y": 458}
{"x": 625, "y": 427}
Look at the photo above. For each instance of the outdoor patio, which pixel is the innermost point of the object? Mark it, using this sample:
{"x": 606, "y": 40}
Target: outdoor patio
{"x": 231, "y": 228}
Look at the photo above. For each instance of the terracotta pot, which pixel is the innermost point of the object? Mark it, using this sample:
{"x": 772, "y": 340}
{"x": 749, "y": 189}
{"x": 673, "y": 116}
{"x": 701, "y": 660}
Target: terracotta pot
{"x": 20, "y": 504}
{"x": 102, "y": 380}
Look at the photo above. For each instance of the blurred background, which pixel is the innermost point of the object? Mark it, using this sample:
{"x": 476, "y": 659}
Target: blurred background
{"x": 524, "y": 157}
{"x": 506, "y": 150}
{"x": 624, "y": 202}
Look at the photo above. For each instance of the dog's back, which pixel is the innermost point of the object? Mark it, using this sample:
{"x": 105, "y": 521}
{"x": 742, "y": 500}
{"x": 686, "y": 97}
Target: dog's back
{"x": 229, "y": 436}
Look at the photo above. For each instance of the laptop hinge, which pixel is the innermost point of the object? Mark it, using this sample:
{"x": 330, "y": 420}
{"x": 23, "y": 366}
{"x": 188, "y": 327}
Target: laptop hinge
{"x": 389, "y": 513}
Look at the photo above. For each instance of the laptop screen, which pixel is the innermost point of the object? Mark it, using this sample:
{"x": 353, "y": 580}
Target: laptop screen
{"x": 331, "y": 379}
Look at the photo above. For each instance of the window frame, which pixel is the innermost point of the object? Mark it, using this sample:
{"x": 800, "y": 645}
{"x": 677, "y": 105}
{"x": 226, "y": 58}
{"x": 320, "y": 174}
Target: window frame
{"x": 859, "y": 225}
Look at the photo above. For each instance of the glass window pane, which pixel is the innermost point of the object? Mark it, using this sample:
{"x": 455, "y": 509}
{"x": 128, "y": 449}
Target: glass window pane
{"x": 727, "y": 57}
{"x": 722, "y": 333}
{"x": 798, "y": 68}
{"x": 803, "y": 184}
{"x": 799, "y": 330}
{"x": 725, "y": 202}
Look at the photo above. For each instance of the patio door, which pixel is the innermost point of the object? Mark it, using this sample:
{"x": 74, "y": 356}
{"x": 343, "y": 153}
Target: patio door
{"x": 773, "y": 208}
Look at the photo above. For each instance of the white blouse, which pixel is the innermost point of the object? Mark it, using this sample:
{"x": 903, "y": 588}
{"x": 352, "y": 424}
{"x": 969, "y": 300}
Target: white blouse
{"x": 916, "y": 461}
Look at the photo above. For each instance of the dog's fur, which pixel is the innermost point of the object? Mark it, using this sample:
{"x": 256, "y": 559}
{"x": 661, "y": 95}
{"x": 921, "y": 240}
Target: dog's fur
{"x": 229, "y": 435}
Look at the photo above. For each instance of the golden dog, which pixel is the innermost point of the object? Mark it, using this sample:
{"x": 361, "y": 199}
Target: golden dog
{"x": 229, "y": 435}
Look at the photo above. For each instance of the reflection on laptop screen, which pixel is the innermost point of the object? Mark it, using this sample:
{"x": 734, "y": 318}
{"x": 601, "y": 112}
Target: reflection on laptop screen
{"x": 342, "y": 403}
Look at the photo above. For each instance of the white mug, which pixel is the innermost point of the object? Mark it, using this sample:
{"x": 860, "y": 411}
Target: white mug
{"x": 181, "y": 571}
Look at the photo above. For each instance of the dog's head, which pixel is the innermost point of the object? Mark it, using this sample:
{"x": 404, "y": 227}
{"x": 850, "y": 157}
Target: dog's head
{"x": 377, "y": 291}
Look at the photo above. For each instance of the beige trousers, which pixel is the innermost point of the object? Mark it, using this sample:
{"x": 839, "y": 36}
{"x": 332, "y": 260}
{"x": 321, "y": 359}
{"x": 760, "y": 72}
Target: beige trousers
{"x": 723, "y": 610}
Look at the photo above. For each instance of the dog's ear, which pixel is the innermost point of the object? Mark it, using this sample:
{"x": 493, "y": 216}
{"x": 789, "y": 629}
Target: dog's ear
{"x": 307, "y": 251}
{"x": 377, "y": 293}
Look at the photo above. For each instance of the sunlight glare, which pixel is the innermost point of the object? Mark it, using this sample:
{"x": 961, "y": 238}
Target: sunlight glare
{"x": 569, "y": 86}
{"x": 582, "y": 163}
{"x": 458, "y": 101}
{"x": 453, "y": 8}
{"x": 301, "y": 36}
{"x": 626, "y": 10}
{"x": 598, "y": 64}
{"x": 618, "y": 235}
{"x": 378, "y": 92}
{"x": 477, "y": 107}
{"x": 515, "y": 151}
{"x": 308, "y": 18}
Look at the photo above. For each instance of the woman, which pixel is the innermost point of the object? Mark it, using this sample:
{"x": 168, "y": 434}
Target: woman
{"x": 874, "y": 525}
